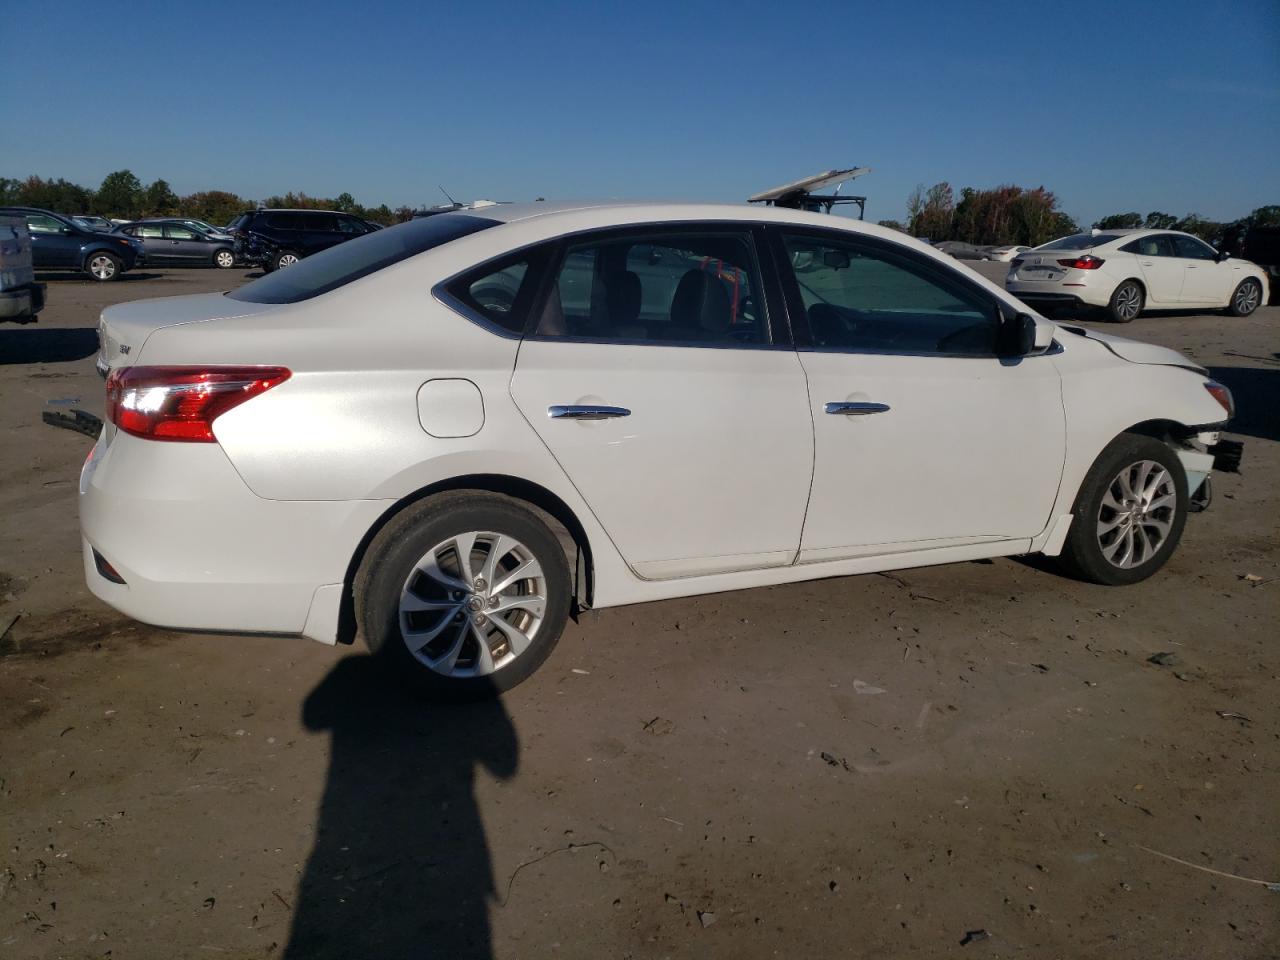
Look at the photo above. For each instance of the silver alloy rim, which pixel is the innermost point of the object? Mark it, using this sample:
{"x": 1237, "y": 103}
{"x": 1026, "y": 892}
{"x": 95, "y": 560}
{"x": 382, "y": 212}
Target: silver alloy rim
{"x": 1137, "y": 514}
{"x": 1247, "y": 297}
{"x": 102, "y": 267}
{"x": 473, "y": 604}
{"x": 288, "y": 260}
{"x": 1128, "y": 301}
{"x": 225, "y": 259}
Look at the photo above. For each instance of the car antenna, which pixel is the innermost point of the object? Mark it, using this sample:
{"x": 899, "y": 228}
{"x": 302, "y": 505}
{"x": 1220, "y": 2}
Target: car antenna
{"x": 454, "y": 203}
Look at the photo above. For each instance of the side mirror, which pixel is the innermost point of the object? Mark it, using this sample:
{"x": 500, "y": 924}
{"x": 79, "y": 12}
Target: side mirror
{"x": 1024, "y": 334}
{"x": 1222, "y": 255}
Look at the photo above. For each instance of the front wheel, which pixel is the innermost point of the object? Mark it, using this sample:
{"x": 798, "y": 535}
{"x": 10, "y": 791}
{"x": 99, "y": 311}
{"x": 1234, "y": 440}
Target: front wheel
{"x": 1129, "y": 513}
{"x": 1126, "y": 303}
{"x": 224, "y": 259}
{"x": 1246, "y": 298}
{"x": 463, "y": 595}
{"x": 285, "y": 258}
{"x": 104, "y": 266}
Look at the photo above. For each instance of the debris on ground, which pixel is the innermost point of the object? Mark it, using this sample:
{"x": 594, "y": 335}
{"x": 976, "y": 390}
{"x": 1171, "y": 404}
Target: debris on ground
{"x": 833, "y": 761}
{"x": 861, "y": 686}
{"x": 1164, "y": 659}
{"x": 659, "y": 726}
{"x": 1043, "y": 668}
{"x": 706, "y": 918}
{"x": 1272, "y": 885}
{"x": 974, "y": 936}
{"x": 76, "y": 420}
{"x": 7, "y": 622}
{"x": 1224, "y": 714}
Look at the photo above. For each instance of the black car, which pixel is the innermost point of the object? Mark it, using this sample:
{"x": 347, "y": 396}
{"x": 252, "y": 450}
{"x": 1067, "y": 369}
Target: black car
{"x": 174, "y": 243}
{"x": 59, "y": 243}
{"x": 279, "y": 238}
{"x": 1260, "y": 245}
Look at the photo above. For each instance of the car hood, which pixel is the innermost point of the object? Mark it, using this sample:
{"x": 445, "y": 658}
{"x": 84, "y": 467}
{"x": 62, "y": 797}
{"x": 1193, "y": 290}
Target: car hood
{"x": 125, "y": 327}
{"x": 1135, "y": 351}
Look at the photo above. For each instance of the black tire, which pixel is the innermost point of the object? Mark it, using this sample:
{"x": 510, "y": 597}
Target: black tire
{"x": 224, "y": 257}
{"x": 1246, "y": 298}
{"x": 1083, "y": 554}
{"x": 395, "y": 553}
{"x": 103, "y": 266}
{"x": 283, "y": 259}
{"x": 1129, "y": 294}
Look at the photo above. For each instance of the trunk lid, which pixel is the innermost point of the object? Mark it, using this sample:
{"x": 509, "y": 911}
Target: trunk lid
{"x": 125, "y": 327}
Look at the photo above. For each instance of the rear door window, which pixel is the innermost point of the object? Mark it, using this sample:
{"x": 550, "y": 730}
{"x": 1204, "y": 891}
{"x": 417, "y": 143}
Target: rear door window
{"x": 502, "y": 292}
{"x": 320, "y": 222}
{"x": 175, "y": 232}
{"x": 151, "y": 230}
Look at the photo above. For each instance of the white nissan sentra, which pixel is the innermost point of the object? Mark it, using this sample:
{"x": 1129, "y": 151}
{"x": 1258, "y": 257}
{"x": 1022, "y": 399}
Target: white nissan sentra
{"x": 447, "y": 435}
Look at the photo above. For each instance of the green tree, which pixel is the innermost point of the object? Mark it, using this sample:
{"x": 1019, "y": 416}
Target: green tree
{"x": 1119, "y": 221}
{"x": 214, "y": 206}
{"x": 1160, "y": 221}
{"x": 892, "y": 225}
{"x": 158, "y": 200}
{"x": 60, "y": 196}
{"x": 120, "y": 195}
{"x": 932, "y": 212}
{"x": 346, "y": 203}
{"x": 1268, "y": 216}
{"x": 1207, "y": 230}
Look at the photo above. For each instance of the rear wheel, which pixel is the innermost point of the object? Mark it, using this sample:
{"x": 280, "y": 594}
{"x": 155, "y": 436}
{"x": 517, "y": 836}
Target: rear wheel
{"x": 463, "y": 595}
{"x": 1246, "y": 298}
{"x": 104, "y": 266}
{"x": 224, "y": 259}
{"x": 1129, "y": 513}
{"x": 1126, "y": 303}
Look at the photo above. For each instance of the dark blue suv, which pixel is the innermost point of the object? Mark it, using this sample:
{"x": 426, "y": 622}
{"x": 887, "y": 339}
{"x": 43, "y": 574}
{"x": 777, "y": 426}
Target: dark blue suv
{"x": 280, "y": 238}
{"x": 59, "y": 243}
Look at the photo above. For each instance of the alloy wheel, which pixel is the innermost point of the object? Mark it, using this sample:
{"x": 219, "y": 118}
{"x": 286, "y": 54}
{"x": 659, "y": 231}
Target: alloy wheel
{"x": 102, "y": 267}
{"x": 288, "y": 260}
{"x": 473, "y": 604}
{"x": 225, "y": 258}
{"x": 1128, "y": 301}
{"x": 1136, "y": 515}
{"x": 1246, "y": 298}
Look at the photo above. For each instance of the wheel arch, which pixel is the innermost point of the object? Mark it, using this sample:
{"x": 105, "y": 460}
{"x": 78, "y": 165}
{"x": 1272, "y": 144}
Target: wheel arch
{"x": 93, "y": 251}
{"x": 563, "y": 523}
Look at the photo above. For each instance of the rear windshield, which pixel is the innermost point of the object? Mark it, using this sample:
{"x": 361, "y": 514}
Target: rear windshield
{"x": 1080, "y": 241}
{"x": 358, "y": 258}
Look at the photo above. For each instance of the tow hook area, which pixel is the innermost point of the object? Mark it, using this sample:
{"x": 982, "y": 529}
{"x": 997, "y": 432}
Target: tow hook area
{"x": 1226, "y": 455}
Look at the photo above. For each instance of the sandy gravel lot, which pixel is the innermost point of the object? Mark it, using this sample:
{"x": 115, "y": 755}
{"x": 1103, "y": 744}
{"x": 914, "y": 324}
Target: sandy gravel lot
{"x": 865, "y": 767}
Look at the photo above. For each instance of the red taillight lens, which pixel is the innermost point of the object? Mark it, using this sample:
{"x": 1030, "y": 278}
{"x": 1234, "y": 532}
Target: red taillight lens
{"x": 1087, "y": 262}
{"x": 181, "y": 403}
{"x": 1223, "y": 396}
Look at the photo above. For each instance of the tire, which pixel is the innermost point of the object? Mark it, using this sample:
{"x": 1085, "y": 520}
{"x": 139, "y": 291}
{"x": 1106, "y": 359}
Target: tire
{"x": 224, "y": 258}
{"x": 1100, "y": 557}
{"x": 395, "y": 597}
{"x": 1126, "y": 302}
{"x": 285, "y": 258}
{"x": 103, "y": 266}
{"x": 1246, "y": 298}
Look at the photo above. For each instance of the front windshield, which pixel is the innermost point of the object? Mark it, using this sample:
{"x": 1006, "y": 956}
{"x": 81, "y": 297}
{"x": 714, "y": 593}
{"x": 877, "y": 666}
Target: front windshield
{"x": 358, "y": 258}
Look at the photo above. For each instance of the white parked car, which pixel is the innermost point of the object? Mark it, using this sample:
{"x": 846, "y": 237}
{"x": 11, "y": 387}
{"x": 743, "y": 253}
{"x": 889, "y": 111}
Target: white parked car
{"x": 1005, "y": 254}
{"x": 1128, "y": 271}
{"x": 451, "y": 432}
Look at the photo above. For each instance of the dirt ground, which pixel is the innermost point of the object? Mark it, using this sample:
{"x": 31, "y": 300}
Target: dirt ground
{"x": 976, "y": 760}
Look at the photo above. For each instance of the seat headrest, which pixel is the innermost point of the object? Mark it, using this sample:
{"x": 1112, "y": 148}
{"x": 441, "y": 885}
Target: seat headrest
{"x": 701, "y": 302}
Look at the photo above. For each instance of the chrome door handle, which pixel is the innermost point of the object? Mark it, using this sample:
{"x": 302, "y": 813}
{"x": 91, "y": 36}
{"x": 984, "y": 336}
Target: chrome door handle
{"x": 572, "y": 412}
{"x": 851, "y": 409}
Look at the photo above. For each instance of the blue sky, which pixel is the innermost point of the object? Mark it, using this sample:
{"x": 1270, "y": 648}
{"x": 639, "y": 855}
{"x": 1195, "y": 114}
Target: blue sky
{"x": 1170, "y": 105}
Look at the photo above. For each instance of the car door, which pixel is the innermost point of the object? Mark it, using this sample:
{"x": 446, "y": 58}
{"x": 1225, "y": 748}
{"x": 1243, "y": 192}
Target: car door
{"x": 53, "y": 243}
{"x": 186, "y": 245}
{"x": 1205, "y": 281}
{"x": 677, "y": 409}
{"x": 159, "y": 249}
{"x": 1162, "y": 270}
{"x": 924, "y": 437}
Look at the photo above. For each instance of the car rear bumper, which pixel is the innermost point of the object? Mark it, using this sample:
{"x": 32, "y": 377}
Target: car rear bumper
{"x": 1054, "y": 295}
{"x": 194, "y": 549}
{"x": 22, "y": 303}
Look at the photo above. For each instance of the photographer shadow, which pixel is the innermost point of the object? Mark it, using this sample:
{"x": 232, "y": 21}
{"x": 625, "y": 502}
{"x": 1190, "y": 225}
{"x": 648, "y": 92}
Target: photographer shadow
{"x": 400, "y": 866}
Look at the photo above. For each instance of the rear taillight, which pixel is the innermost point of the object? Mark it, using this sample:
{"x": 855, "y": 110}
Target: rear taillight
{"x": 181, "y": 403}
{"x": 1223, "y": 396}
{"x": 1087, "y": 262}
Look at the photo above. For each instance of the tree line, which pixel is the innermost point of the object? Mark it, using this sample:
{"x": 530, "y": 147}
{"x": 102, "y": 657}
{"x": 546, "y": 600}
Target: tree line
{"x": 123, "y": 196}
{"x": 1016, "y": 215}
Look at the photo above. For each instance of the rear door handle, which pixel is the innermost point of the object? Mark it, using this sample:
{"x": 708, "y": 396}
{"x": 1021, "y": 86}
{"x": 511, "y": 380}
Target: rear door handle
{"x": 853, "y": 409}
{"x": 570, "y": 411}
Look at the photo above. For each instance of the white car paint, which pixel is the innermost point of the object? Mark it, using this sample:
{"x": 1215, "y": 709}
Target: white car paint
{"x": 728, "y": 474}
{"x": 1169, "y": 281}
{"x": 1005, "y": 254}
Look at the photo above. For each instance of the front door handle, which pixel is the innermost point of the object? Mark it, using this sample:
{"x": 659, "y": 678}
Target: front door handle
{"x": 570, "y": 411}
{"x": 855, "y": 409}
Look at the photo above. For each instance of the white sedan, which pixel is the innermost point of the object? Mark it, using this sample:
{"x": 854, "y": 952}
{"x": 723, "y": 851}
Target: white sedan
{"x": 1128, "y": 271}
{"x": 448, "y": 434}
{"x": 1005, "y": 254}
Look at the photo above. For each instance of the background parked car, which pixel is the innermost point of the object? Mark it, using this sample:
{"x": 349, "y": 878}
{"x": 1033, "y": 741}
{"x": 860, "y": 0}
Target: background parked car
{"x": 962, "y": 251}
{"x": 1005, "y": 254}
{"x": 218, "y": 232}
{"x": 21, "y": 298}
{"x": 174, "y": 242}
{"x": 279, "y": 238}
{"x": 1260, "y": 245}
{"x": 1126, "y": 271}
{"x": 101, "y": 224}
{"x": 59, "y": 243}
